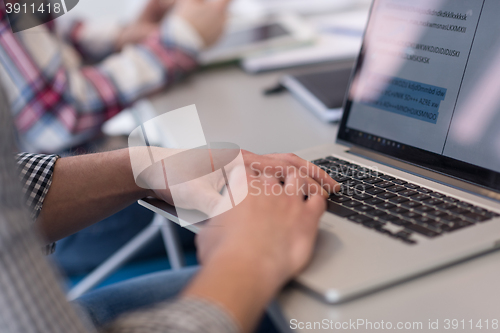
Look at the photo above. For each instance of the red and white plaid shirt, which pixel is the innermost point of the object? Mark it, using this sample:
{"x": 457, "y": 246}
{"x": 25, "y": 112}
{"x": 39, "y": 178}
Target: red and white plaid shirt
{"x": 58, "y": 102}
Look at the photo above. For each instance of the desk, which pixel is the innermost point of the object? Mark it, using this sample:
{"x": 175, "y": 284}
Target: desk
{"x": 232, "y": 108}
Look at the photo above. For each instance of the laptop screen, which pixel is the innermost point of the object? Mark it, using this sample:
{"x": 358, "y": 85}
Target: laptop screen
{"x": 426, "y": 88}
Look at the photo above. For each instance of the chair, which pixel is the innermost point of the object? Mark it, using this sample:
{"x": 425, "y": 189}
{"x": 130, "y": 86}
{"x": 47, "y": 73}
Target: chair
{"x": 159, "y": 224}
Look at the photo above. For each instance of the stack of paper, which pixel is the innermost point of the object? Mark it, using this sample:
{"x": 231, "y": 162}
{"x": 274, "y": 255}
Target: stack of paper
{"x": 340, "y": 37}
{"x": 265, "y": 7}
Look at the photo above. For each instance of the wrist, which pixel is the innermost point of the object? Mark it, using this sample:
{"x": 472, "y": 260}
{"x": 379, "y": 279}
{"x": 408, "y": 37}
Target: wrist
{"x": 138, "y": 192}
{"x": 244, "y": 261}
{"x": 239, "y": 283}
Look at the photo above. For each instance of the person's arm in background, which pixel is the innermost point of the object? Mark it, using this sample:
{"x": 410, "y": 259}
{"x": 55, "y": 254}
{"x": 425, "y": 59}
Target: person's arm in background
{"x": 95, "y": 40}
{"x": 57, "y": 105}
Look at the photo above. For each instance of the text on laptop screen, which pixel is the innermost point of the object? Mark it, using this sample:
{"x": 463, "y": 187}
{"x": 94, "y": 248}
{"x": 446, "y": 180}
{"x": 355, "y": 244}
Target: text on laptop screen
{"x": 428, "y": 81}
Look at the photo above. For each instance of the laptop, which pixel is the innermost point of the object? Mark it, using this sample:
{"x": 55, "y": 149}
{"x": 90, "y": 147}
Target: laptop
{"x": 418, "y": 149}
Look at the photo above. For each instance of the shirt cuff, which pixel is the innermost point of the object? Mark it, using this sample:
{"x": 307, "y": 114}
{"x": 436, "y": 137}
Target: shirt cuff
{"x": 49, "y": 249}
{"x": 36, "y": 178}
{"x": 178, "y": 31}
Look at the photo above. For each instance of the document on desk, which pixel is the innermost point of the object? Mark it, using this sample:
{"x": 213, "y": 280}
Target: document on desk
{"x": 265, "y": 7}
{"x": 340, "y": 37}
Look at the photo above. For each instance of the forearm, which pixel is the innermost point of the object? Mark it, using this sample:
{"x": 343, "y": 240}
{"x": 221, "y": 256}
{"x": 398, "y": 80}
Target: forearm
{"x": 243, "y": 286}
{"x": 85, "y": 190}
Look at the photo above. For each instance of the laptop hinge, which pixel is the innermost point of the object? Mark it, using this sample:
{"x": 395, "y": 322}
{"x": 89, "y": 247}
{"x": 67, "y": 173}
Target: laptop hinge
{"x": 426, "y": 173}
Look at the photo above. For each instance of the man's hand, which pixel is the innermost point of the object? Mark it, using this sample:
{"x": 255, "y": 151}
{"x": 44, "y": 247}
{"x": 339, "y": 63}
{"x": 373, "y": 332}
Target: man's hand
{"x": 282, "y": 165}
{"x": 249, "y": 252}
{"x": 208, "y": 17}
{"x": 147, "y": 22}
{"x": 275, "y": 226}
{"x": 204, "y": 193}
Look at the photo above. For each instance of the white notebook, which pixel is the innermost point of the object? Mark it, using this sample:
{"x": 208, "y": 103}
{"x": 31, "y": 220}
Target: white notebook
{"x": 340, "y": 38}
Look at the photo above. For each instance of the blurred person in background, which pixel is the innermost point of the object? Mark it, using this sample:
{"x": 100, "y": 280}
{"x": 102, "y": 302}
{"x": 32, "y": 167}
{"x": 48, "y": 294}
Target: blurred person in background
{"x": 64, "y": 81}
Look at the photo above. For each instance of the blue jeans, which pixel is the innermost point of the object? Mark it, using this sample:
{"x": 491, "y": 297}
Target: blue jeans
{"x": 87, "y": 249}
{"x": 106, "y": 304}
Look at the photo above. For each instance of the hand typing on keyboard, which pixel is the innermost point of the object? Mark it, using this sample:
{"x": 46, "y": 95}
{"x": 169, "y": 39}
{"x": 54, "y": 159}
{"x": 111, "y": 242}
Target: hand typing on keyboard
{"x": 213, "y": 179}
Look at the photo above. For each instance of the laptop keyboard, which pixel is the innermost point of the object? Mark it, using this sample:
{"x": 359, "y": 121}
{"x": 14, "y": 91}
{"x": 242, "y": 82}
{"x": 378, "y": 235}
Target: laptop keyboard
{"x": 394, "y": 206}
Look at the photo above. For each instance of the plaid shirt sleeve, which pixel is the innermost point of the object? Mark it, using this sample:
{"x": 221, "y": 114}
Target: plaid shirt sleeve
{"x": 57, "y": 102}
{"x": 36, "y": 177}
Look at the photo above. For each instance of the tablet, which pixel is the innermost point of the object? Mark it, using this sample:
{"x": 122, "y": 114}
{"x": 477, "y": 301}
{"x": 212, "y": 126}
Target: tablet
{"x": 321, "y": 92}
{"x": 259, "y": 37}
{"x": 170, "y": 212}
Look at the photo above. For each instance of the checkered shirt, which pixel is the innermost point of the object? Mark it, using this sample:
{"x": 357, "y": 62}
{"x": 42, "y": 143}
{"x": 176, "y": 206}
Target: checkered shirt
{"x": 36, "y": 177}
